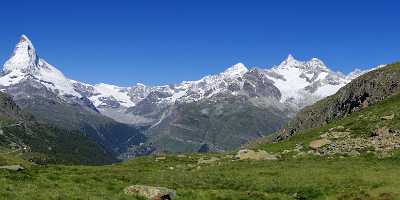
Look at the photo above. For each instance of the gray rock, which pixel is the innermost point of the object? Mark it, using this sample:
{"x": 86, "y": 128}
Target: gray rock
{"x": 247, "y": 154}
{"x": 316, "y": 144}
{"x": 150, "y": 192}
{"x": 388, "y": 117}
{"x": 13, "y": 167}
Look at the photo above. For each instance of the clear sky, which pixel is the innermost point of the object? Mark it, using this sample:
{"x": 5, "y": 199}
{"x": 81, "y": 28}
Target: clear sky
{"x": 160, "y": 42}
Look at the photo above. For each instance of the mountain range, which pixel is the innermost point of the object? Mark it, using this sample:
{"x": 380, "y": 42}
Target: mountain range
{"x": 216, "y": 113}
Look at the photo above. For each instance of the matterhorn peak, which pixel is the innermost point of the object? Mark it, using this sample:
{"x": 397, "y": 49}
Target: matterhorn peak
{"x": 290, "y": 58}
{"x": 23, "y": 58}
{"x": 237, "y": 69}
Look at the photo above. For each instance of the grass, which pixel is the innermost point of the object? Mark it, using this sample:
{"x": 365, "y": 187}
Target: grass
{"x": 306, "y": 178}
{"x": 361, "y": 124}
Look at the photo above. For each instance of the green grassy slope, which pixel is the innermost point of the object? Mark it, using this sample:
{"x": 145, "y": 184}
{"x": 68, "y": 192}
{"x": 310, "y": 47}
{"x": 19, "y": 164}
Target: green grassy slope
{"x": 359, "y": 124}
{"x": 306, "y": 178}
{"x": 365, "y": 90}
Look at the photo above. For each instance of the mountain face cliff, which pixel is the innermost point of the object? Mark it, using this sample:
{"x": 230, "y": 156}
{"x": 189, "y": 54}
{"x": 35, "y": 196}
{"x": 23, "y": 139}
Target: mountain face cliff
{"x": 216, "y": 113}
{"x": 363, "y": 91}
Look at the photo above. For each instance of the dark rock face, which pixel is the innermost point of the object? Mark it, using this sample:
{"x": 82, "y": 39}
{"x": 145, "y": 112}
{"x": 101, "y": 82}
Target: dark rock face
{"x": 22, "y": 133}
{"x": 257, "y": 85}
{"x": 367, "y": 89}
{"x": 150, "y": 104}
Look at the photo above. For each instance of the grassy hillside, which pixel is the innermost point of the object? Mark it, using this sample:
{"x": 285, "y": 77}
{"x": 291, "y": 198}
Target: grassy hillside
{"x": 365, "y": 90}
{"x": 305, "y": 178}
{"x": 360, "y": 124}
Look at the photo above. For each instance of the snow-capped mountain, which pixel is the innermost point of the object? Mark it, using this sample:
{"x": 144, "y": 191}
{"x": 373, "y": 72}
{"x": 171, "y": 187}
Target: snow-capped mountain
{"x": 304, "y": 82}
{"x": 25, "y": 64}
{"x": 278, "y": 91}
{"x": 44, "y": 91}
{"x": 300, "y": 83}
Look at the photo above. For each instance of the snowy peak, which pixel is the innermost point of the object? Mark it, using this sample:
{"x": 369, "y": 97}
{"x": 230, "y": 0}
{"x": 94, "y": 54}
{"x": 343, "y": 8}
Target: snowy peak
{"x": 24, "y": 57}
{"x": 290, "y": 61}
{"x": 24, "y": 64}
{"x": 313, "y": 64}
{"x": 316, "y": 63}
{"x": 237, "y": 69}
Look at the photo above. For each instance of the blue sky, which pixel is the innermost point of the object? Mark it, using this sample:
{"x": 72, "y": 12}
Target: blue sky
{"x": 160, "y": 42}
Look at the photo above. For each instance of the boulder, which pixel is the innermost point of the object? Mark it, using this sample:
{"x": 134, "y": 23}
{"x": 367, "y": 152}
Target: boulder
{"x": 150, "y": 192}
{"x": 247, "y": 154}
{"x": 13, "y": 167}
{"x": 316, "y": 144}
{"x": 336, "y": 128}
{"x": 380, "y": 132}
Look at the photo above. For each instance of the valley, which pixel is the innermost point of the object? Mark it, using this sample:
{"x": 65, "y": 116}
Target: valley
{"x": 358, "y": 160}
{"x": 217, "y": 113}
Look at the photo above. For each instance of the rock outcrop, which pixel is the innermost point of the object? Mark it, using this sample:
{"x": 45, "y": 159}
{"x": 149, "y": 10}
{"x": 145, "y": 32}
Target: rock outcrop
{"x": 248, "y": 154}
{"x": 150, "y": 192}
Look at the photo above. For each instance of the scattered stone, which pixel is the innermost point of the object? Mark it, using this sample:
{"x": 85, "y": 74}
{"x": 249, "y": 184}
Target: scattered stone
{"x": 353, "y": 153}
{"x": 337, "y": 128}
{"x": 247, "y": 154}
{"x": 299, "y": 147}
{"x": 388, "y": 117}
{"x": 380, "y": 132}
{"x": 325, "y": 135}
{"x": 316, "y": 144}
{"x": 191, "y": 165}
{"x": 286, "y": 151}
{"x": 337, "y": 135}
{"x": 205, "y": 160}
{"x": 229, "y": 156}
{"x": 150, "y": 192}
{"x": 300, "y": 154}
{"x": 13, "y": 167}
{"x": 161, "y": 158}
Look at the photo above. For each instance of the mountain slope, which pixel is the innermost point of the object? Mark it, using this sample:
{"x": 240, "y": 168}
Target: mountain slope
{"x": 363, "y": 91}
{"x": 371, "y": 130}
{"x": 41, "y": 143}
{"x": 43, "y": 90}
